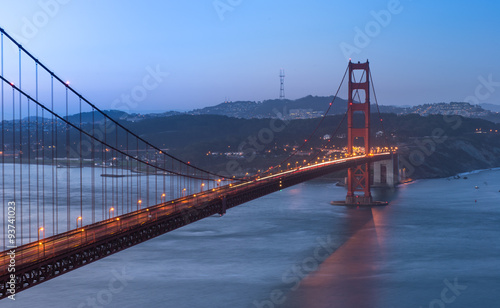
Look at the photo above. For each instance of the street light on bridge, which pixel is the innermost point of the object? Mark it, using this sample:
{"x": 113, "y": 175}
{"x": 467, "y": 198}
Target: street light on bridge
{"x": 43, "y": 232}
{"x": 40, "y": 243}
{"x": 139, "y": 204}
{"x": 162, "y": 197}
{"x": 112, "y": 209}
{"x": 79, "y": 219}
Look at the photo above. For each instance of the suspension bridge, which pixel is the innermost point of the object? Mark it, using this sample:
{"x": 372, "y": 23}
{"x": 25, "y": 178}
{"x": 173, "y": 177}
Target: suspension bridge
{"x": 78, "y": 185}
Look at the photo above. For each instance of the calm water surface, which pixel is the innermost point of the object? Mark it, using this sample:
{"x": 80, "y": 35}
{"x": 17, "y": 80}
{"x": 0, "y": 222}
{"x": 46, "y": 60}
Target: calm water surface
{"x": 436, "y": 245}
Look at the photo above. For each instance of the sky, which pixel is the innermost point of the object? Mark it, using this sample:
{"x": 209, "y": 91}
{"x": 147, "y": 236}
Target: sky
{"x": 179, "y": 55}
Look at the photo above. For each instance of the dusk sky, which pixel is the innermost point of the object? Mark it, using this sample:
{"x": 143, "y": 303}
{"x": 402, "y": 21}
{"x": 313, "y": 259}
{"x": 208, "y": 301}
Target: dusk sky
{"x": 420, "y": 51}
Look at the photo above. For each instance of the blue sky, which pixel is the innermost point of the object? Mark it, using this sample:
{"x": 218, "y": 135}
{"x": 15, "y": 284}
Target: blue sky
{"x": 424, "y": 52}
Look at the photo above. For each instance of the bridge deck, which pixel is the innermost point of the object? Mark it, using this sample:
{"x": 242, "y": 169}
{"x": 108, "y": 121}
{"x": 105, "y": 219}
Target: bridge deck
{"x": 40, "y": 261}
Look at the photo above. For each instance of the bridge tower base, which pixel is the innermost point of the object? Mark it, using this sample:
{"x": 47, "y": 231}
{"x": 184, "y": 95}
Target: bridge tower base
{"x": 358, "y": 178}
{"x": 387, "y": 173}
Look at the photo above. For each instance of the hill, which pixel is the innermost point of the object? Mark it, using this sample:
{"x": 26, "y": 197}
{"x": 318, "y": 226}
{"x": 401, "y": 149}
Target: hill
{"x": 209, "y": 140}
{"x": 306, "y": 107}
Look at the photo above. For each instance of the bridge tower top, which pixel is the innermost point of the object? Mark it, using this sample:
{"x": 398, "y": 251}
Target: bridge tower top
{"x": 355, "y": 87}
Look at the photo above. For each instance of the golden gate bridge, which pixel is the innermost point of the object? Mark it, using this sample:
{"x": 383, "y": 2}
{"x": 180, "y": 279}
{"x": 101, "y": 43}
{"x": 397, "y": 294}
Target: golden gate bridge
{"x": 78, "y": 185}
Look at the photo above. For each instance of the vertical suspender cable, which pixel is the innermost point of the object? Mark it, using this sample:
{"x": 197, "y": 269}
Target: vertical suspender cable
{"x": 147, "y": 176}
{"x": 14, "y": 144}
{"x": 156, "y": 177}
{"x": 43, "y": 150}
{"x": 128, "y": 171}
{"x": 172, "y": 196}
{"x": 68, "y": 175}
{"x": 138, "y": 186}
{"x": 53, "y": 164}
{"x": 112, "y": 166}
{"x": 56, "y": 127}
{"x": 92, "y": 151}
{"x": 115, "y": 169}
{"x": 14, "y": 141}
{"x": 119, "y": 169}
{"x": 122, "y": 166}
{"x": 103, "y": 216}
{"x": 20, "y": 150}
{"x": 37, "y": 142}
{"x": 123, "y": 182}
{"x": 114, "y": 186}
{"x": 81, "y": 163}
{"x": 318, "y": 152}
{"x": 164, "y": 175}
{"x": 378, "y": 110}
{"x": 29, "y": 172}
{"x": 105, "y": 203}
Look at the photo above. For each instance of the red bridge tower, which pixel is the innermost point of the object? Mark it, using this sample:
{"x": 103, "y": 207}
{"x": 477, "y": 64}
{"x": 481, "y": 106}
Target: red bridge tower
{"x": 358, "y": 179}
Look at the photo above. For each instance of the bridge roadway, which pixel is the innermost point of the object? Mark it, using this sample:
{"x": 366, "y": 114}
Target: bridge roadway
{"x": 38, "y": 262}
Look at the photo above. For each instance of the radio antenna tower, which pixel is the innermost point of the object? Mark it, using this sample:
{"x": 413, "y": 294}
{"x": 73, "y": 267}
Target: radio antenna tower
{"x": 282, "y": 84}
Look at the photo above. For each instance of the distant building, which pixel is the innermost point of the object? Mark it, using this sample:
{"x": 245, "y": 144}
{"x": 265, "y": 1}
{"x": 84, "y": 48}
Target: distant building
{"x": 460, "y": 109}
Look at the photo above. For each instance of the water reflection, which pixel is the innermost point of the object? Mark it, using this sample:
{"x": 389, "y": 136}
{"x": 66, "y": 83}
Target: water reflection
{"x": 347, "y": 278}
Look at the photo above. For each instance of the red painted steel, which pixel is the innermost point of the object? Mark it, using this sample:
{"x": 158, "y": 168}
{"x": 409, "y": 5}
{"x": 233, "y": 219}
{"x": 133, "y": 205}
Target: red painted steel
{"x": 358, "y": 179}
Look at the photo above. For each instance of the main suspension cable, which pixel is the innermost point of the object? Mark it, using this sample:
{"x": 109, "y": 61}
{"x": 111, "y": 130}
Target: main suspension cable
{"x": 108, "y": 117}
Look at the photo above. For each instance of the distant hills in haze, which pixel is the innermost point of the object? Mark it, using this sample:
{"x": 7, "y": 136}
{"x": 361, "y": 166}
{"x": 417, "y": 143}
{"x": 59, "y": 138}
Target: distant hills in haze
{"x": 303, "y": 108}
{"x": 315, "y": 106}
{"x": 307, "y": 107}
